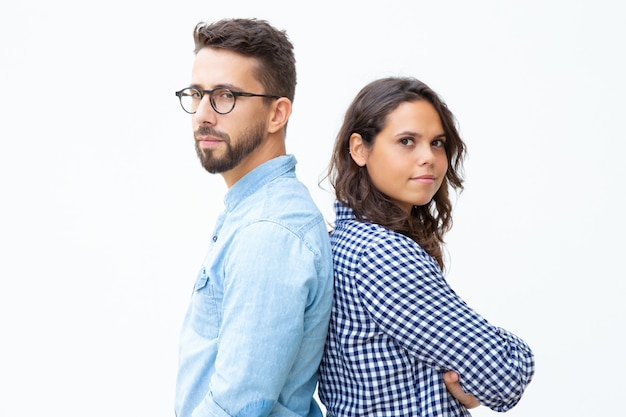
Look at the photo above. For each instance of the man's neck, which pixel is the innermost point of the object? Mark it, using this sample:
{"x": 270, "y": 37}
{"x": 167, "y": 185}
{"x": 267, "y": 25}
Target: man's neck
{"x": 270, "y": 149}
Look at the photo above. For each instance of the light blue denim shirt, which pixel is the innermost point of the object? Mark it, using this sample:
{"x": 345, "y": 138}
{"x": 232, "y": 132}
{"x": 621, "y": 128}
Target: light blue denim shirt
{"x": 254, "y": 333}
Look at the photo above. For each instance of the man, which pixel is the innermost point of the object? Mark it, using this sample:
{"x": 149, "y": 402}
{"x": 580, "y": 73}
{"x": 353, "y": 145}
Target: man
{"x": 254, "y": 333}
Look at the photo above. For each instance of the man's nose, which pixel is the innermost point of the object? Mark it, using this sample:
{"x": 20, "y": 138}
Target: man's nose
{"x": 205, "y": 113}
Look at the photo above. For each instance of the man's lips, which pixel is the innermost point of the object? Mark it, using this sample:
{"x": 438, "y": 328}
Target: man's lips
{"x": 207, "y": 136}
{"x": 208, "y": 141}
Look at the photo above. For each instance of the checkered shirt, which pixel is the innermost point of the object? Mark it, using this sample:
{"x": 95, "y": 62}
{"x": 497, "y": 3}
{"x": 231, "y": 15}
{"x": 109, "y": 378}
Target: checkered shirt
{"x": 397, "y": 326}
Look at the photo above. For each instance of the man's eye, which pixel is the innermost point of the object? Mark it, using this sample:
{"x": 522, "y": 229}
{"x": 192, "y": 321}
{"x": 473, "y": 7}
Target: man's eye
{"x": 225, "y": 95}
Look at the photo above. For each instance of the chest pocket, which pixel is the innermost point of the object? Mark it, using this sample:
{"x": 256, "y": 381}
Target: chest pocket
{"x": 205, "y": 315}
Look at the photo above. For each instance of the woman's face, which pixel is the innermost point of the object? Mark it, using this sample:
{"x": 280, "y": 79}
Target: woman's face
{"x": 407, "y": 161}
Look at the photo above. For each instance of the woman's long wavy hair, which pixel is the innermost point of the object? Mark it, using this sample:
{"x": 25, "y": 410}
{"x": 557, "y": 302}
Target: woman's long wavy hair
{"x": 367, "y": 116}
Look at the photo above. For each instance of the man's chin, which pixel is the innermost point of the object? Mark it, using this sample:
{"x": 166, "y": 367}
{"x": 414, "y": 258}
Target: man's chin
{"x": 216, "y": 167}
{"x": 211, "y": 169}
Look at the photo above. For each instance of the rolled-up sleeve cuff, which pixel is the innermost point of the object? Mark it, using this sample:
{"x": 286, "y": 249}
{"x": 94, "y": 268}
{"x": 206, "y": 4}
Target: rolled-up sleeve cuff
{"x": 209, "y": 408}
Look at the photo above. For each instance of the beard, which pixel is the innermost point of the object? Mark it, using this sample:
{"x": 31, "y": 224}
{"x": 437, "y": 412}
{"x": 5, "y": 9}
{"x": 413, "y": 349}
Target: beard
{"x": 246, "y": 143}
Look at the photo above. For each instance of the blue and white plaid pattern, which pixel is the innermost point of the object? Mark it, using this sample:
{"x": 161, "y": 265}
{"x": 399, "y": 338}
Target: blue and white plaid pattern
{"x": 397, "y": 326}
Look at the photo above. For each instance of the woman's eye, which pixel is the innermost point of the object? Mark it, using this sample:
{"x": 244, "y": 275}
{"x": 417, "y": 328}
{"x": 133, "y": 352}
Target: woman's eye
{"x": 439, "y": 143}
{"x": 407, "y": 141}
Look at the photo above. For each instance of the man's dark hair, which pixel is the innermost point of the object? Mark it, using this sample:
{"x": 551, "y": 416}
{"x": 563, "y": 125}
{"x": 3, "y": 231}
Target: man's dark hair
{"x": 257, "y": 39}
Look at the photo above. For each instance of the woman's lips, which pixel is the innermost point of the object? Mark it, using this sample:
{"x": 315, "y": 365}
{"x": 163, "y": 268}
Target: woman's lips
{"x": 425, "y": 179}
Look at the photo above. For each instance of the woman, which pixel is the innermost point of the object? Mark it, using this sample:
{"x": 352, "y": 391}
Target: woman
{"x": 396, "y": 326}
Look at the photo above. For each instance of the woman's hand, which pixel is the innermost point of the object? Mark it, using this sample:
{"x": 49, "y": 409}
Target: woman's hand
{"x": 451, "y": 379}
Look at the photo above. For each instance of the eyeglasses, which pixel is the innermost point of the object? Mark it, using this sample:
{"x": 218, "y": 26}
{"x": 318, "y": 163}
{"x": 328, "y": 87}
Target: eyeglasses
{"x": 222, "y": 99}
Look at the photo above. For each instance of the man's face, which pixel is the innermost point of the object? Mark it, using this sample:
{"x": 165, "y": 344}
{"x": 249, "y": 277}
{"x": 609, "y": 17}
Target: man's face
{"x": 224, "y": 141}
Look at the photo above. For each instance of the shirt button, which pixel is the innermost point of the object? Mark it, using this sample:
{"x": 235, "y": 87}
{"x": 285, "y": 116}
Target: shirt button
{"x": 214, "y": 238}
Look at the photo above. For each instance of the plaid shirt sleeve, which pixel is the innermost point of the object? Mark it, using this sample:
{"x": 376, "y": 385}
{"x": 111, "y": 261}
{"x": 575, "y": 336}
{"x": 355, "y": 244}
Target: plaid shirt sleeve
{"x": 404, "y": 292}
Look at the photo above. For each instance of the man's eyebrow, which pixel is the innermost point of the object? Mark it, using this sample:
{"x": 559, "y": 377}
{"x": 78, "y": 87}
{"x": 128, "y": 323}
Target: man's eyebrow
{"x": 225, "y": 85}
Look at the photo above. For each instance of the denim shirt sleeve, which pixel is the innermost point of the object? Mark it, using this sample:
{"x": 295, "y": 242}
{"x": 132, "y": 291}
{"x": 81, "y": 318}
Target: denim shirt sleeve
{"x": 270, "y": 277}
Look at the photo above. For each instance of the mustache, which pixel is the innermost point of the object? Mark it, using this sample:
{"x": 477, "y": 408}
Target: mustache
{"x": 210, "y": 131}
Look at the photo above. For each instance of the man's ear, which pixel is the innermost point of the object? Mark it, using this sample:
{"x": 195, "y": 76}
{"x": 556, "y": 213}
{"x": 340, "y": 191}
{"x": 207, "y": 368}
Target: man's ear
{"x": 281, "y": 110}
{"x": 358, "y": 150}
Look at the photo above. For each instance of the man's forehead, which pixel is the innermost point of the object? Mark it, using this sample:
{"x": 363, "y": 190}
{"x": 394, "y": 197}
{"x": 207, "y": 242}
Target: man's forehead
{"x": 222, "y": 68}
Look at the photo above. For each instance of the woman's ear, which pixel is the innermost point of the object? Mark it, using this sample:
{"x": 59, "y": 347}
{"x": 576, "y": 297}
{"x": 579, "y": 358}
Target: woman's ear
{"x": 280, "y": 114}
{"x": 358, "y": 150}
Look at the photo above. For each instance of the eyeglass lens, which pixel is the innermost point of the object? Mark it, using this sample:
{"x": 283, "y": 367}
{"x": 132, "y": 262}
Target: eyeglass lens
{"x": 222, "y": 100}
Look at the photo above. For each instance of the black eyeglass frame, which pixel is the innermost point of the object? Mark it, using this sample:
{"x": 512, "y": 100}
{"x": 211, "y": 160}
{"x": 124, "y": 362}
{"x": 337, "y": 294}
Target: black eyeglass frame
{"x": 235, "y": 94}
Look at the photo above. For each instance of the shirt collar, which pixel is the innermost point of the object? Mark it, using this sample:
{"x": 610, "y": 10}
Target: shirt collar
{"x": 343, "y": 212}
{"x": 257, "y": 178}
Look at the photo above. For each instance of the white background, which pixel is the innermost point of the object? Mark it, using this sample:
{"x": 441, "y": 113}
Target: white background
{"x": 106, "y": 212}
